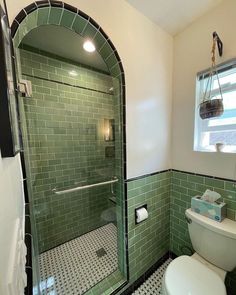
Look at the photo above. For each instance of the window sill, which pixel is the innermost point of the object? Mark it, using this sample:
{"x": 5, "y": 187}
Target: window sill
{"x": 225, "y": 150}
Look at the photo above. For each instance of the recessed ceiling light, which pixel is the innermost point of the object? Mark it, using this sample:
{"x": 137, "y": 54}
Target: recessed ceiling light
{"x": 89, "y": 46}
{"x": 73, "y": 73}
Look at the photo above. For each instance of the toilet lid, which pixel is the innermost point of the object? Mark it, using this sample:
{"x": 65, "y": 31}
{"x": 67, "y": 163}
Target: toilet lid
{"x": 187, "y": 276}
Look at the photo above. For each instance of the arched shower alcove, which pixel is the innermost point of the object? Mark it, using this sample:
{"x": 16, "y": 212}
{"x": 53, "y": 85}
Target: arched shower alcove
{"x": 41, "y": 197}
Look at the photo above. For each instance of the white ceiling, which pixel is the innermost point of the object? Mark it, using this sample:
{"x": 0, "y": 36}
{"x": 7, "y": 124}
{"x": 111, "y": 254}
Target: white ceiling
{"x": 65, "y": 43}
{"x": 173, "y": 15}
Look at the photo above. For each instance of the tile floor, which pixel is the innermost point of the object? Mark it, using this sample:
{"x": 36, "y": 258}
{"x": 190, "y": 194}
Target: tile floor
{"x": 74, "y": 267}
{"x": 152, "y": 286}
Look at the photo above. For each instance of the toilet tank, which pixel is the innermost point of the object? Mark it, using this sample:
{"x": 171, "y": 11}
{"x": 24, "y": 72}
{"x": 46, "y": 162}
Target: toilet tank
{"x": 214, "y": 241}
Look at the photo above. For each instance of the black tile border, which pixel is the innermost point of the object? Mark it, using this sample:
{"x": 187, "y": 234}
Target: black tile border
{"x": 29, "y": 245}
{"x": 9, "y": 146}
{"x": 22, "y": 160}
{"x": 25, "y": 187}
{"x": 27, "y": 223}
{"x": 42, "y": 3}
{"x": 172, "y": 255}
{"x": 30, "y": 8}
{"x": 58, "y": 4}
{"x": 95, "y": 24}
{"x": 20, "y": 16}
{"x": 134, "y": 286}
{"x": 108, "y": 40}
{"x": 204, "y": 175}
{"x": 126, "y": 231}
{"x": 29, "y": 274}
{"x": 14, "y": 28}
{"x": 70, "y": 8}
{"x": 147, "y": 175}
{"x": 83, "y": 14}
{"x": 180, "y": 171}
{"x": 27, "y": 209}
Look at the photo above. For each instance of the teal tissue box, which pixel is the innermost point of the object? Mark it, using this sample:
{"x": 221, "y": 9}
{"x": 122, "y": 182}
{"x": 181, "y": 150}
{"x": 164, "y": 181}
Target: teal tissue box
{"x": 215, "y": 211}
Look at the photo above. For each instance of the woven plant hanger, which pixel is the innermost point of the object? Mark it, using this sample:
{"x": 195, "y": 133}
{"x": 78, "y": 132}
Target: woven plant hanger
{"x": 212, "y": 72}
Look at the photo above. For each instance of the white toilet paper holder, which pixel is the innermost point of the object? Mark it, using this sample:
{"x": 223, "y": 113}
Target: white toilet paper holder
{"x": 136, "y": 216}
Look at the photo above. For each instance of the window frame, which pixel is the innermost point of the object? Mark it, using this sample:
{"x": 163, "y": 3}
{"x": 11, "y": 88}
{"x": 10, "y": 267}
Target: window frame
{"x": 201, "y": 127}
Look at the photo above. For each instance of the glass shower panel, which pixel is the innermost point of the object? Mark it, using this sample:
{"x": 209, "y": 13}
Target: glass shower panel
{"x": 69, "y": 147}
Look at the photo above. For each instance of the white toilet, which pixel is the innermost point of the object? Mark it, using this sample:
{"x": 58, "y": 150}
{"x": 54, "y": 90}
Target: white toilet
{"x": 204, "y": 272}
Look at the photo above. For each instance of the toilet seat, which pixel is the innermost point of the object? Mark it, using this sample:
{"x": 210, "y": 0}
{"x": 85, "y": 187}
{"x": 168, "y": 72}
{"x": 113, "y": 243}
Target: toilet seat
{"x": 187, "y": 276}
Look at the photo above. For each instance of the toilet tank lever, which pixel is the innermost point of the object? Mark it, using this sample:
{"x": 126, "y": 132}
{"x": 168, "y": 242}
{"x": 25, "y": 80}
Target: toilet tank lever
{"x": 189, "y": 221}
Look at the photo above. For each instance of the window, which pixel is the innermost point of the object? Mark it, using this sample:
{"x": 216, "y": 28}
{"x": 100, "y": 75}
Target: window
{"x": 221, "y": 129}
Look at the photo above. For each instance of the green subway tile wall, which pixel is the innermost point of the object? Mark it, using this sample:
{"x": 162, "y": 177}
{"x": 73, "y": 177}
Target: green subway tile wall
{"x": 167, "y": 196}
{"x": 66, "y": 146}
{"x": 149, "y": 240}
{"x": 184, "y": 186}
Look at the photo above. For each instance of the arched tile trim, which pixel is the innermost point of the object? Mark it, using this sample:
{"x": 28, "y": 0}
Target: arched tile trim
{"x": 62, "y": 14}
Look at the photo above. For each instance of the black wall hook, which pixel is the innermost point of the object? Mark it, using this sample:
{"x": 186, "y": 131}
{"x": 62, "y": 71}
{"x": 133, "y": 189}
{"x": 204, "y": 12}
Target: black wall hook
{"x": 219, "y": 43}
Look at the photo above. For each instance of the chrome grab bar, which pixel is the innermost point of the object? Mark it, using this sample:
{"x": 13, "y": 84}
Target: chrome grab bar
{"x": 78, "y": 188}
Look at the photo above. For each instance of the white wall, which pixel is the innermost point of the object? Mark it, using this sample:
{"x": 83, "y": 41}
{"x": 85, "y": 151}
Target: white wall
{"x": 11, "y": 208}
{"x": 192, "y": 54}
{"x": 146, "y": 53}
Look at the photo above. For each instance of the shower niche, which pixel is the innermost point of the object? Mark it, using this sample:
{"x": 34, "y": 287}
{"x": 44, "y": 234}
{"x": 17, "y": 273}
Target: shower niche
{"x": 74, "y": 150}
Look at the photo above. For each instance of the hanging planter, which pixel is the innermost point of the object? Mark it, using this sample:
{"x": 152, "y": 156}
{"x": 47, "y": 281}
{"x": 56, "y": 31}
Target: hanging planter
{"x": 212, "y": 104}
{"x": 211, "y": 108}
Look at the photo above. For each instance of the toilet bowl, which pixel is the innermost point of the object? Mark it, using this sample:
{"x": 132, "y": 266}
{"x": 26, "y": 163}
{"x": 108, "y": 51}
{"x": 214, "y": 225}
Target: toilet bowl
{"x": 204, "y": 272}
{"x": 187, "y": 276}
